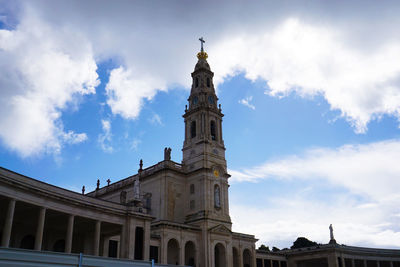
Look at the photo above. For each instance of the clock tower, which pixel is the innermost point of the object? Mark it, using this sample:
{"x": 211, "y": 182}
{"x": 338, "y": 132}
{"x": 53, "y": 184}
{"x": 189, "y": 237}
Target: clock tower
{"x": 204, "y": 149}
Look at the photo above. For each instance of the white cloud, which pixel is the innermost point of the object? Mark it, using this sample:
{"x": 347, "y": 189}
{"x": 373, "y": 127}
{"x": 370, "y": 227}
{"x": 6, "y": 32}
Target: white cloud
{"x": 156, "y": 120}
{"x": 246, "y": 101}
{"x": 321, "y": 49}
{"x": 74, "y": 138}
{"x": 105, "y": 138}
{"x": 317, "y": 60}
{"x": 41, "y": 71}
{"x": 360, "y": 185}
{"x": 135, "y": 144}
{"x": 126, "y": 92}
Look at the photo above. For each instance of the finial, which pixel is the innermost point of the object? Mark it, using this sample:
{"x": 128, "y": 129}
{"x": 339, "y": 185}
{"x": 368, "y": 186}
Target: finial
{"x": 98, "y": 184}
{"x": 202, "y": 54}
{"x": 202, "y": 41}
{"x": 140, "y": 165}
{"x": 108, "y": 181}
{"x": 83, "y": 190}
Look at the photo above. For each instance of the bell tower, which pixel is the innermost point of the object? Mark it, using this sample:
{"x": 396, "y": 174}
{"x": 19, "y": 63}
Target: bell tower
{"x": 204, "y": 149}
{"x": 203, "y": 145}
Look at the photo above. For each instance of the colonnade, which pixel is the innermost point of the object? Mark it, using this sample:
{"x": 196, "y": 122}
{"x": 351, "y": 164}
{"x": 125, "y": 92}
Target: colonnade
{"x": 351, "y": 262}
{"x": 261, "y": 262}
{"x": 90, "y": 244}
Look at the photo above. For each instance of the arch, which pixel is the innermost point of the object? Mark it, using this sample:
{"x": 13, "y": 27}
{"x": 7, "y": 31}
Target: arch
{"x": 173, "y": 252}
{"x": 213, "y": 130}
{"x": 139, "y": 243}
{"x": 28, "y": 242}
{"x": 190, "y": 254}
{"x": 235, "y": 253}
{"x": 217, "y": 196}
{"x": 219, "y": 255}
{"x": 247, "y": 258}
{"x": 59, "y": 245}
{"x": 193, "y": 129}
{"x": 208, "y": 82}
{"x": 196, "y": 82}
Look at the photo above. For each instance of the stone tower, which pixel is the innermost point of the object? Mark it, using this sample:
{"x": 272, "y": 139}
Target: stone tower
{"x": 204, "y": 150}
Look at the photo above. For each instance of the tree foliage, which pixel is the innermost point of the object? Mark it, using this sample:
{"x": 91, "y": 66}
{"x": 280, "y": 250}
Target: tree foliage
{"x": 302, "y": 242}
{"x": 264, "y": 248}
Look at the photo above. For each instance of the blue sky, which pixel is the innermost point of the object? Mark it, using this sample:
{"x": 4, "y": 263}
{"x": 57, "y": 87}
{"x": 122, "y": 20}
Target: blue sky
{"x": 310, "y": 93}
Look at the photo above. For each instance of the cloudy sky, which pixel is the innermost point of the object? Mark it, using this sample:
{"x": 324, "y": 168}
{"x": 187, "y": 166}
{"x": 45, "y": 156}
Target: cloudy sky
{"x": 310, "y": 91}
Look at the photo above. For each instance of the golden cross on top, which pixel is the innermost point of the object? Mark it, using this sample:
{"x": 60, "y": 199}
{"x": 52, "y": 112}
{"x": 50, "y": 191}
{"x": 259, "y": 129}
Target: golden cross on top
{"x": 202, "y": 41}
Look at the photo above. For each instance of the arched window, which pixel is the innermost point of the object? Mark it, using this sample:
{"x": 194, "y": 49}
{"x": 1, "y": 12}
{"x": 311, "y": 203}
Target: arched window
{"x": 192, "y": 189}
{"x": 217, "y": 197}
{"x": 208, "y": 82}
{"x": 213, "y": 130}
{"x": 193, "y": 129}
{"x": 196, "y": 82}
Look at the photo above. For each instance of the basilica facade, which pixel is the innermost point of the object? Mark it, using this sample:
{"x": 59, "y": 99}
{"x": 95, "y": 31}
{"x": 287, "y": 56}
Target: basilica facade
{"x": 173, "y": 213}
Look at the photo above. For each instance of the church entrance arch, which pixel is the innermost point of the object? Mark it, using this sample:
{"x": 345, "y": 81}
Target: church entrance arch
{"x": 190, "y": 253}
{"x": 219, "y": 255}
{"x": 173, "y": 252}
{"x": 247, "y": 258}
{"x": 235, "y": 253}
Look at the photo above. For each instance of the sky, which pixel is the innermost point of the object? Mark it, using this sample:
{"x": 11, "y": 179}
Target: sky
{"x": 310, "y": 91}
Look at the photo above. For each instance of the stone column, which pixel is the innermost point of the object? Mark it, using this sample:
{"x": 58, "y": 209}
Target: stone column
{"x": 131, "y": 239}
{"x": 181, "y": 254}
{"x": 197, "y": 256}
{"x": 70, "y": 231}
{"x": 122, "y": 242}
{"x": 229, "y": 254}
{"x": 240, "y": 256}
{"x": 212, "y": 256}
{"x": 146, "y": 241}
{"x": 352, "y": 263}
{"x": 164, "y": 250}
{"x": 106, "y": 248}
{"x": 391, "y": 263}
{"x": 40, "y": 228}
{"x": 254, "y": 260}
{"x": 96, "y": 241}
{"x": 365, "y": 263}
{"x": 332, "y": 260}
{"x": 378, "y": 264}
{"x": 5, "y": 241}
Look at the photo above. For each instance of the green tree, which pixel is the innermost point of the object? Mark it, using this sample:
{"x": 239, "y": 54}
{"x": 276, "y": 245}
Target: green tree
{"x": 264, "y": 248}
{"x": 302, "y": 242}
